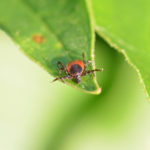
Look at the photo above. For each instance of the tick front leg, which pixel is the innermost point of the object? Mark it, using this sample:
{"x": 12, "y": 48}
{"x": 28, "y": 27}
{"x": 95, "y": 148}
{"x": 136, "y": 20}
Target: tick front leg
{"x": 83, "y": 57}
{"x": 61, "y": 67}
{"x": 87, "y": 63}
{"x": 91, "y": 72}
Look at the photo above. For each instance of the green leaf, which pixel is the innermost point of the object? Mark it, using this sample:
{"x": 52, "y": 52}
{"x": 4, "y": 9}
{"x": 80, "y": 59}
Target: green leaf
{"x": 50, "y": 31}
{"x": 125, "y": 25}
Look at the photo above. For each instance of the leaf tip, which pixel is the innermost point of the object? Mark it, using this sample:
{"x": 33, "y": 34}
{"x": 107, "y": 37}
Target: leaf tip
{"x": 97, "y": 91}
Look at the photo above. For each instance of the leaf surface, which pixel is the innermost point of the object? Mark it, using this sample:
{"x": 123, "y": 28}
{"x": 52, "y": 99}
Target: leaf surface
{"x": 50, "y": 31}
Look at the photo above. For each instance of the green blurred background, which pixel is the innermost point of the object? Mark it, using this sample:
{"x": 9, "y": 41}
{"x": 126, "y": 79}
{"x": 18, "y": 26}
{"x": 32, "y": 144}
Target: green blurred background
{"x": 36, "y": 114}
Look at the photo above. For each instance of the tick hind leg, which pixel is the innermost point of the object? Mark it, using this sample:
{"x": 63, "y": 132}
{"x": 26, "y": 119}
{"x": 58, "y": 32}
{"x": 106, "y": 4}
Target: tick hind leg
{"x": 61, "y": 67}
{"x": 91, "y": 72}
{"x": 62, "y": 78}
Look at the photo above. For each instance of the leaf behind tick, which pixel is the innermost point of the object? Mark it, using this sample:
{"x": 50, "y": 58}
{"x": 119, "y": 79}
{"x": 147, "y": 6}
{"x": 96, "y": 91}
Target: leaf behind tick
{"x": 49, "y": 31}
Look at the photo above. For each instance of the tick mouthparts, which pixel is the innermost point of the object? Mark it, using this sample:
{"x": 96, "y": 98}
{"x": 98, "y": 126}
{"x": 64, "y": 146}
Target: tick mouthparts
{"x": 78, "y": 79}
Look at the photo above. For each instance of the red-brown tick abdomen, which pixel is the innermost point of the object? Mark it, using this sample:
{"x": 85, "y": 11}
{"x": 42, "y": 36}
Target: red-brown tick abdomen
{"x": 74, "y": 67}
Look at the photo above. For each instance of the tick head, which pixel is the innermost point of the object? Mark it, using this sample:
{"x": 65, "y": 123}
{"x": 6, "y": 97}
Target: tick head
{"x": 78, "y": 79}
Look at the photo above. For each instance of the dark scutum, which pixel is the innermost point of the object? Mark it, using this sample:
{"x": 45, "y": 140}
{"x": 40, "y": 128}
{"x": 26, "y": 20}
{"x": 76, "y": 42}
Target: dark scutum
{"x": 75, "y": 69}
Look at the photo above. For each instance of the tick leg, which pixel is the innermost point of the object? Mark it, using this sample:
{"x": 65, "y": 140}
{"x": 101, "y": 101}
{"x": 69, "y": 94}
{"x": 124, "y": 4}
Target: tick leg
{"x": 86, "y": 64}
{"x": 61, "y": 67}
{"x": 62, "y": 78}
{"x": 83, "y": 56}
{"x": 90, "y": 72}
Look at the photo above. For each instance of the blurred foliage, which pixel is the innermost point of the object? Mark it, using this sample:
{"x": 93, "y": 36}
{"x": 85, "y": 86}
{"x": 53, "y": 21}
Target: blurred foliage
{"x": 125, "y": 26}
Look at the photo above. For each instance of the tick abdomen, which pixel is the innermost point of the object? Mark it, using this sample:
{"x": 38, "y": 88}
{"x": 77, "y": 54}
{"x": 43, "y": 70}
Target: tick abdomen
{"x": 75, "y": 69}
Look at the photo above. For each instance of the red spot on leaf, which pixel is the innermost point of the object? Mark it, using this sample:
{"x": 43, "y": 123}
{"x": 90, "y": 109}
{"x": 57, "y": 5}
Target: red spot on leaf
{"x": 38, "y": 38}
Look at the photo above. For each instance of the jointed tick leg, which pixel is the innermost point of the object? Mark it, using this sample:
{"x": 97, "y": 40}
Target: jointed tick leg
{"x": 90, "y": 72}
{"x": 62, "y": 78}
{"x": 85, "y": 62}
{"x": 61, "y": 67}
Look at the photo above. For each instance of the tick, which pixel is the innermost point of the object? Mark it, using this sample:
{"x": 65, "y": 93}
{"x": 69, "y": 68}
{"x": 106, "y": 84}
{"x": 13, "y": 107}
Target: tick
{"x": 75, "y": 70}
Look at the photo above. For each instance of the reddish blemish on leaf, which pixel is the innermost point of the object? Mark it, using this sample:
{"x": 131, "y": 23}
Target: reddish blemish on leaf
{"x": 38, "y": 38}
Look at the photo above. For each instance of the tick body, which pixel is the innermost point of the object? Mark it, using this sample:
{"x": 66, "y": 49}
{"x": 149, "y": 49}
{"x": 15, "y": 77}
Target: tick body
{"x": 75, "y": 67}
{"x": 75, "y": 70}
